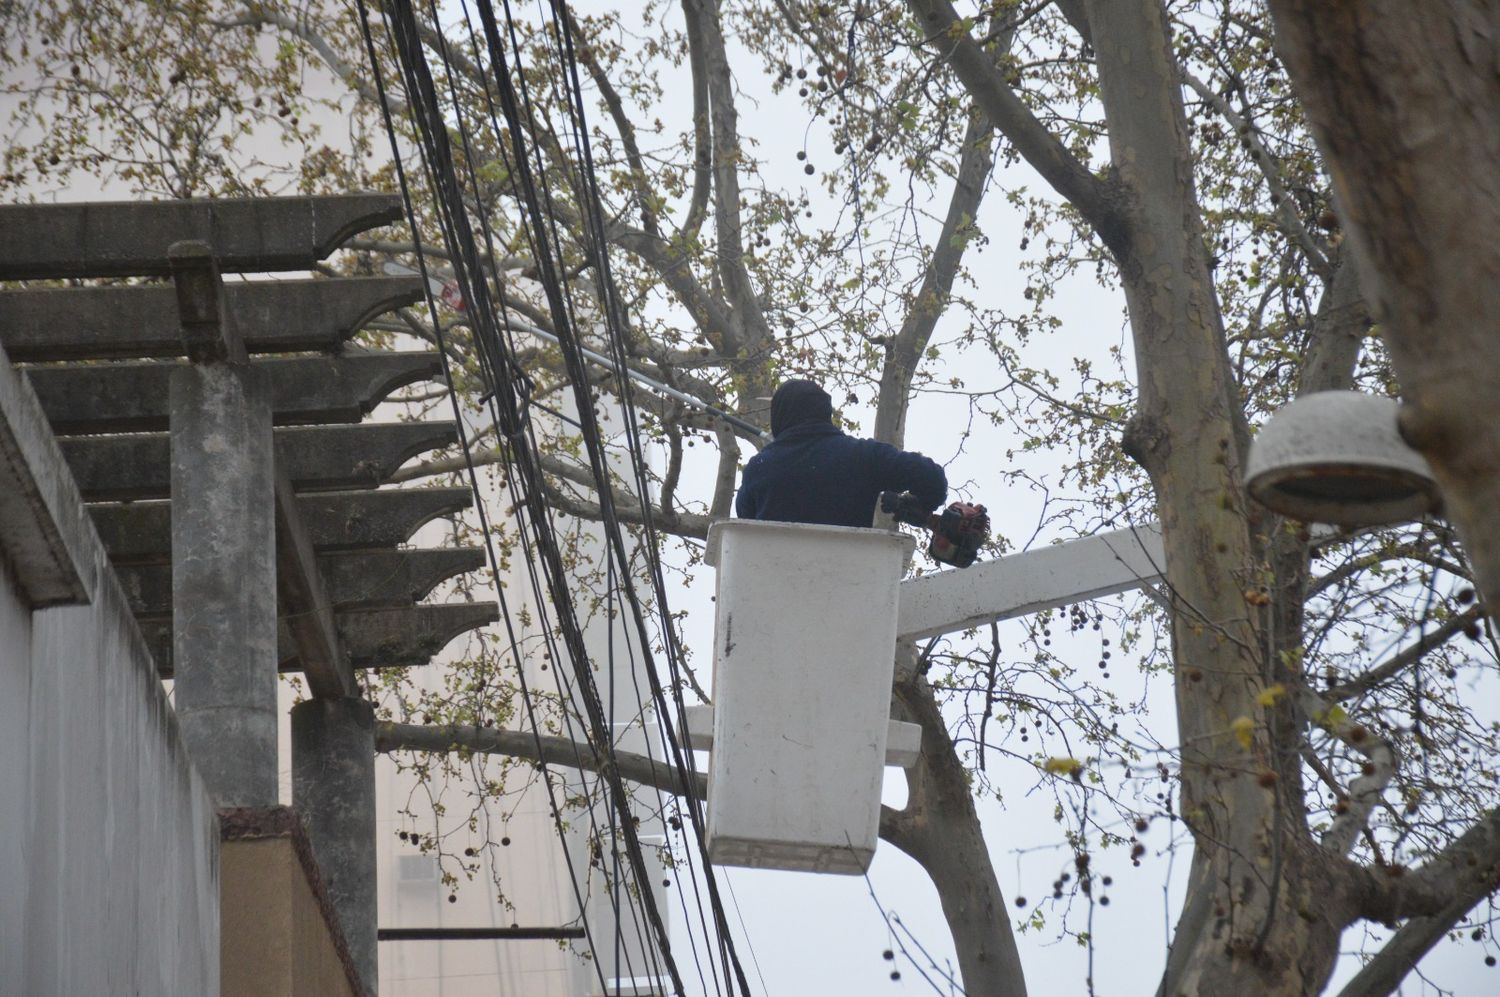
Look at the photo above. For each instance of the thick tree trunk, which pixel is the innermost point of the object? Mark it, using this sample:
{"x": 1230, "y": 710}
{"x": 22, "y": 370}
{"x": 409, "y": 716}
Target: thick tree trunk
{"x": 1240, "y": 931}
{"x": 940, "y": 829}
{"x": 1290, "y": 952}
{"x": 1405, "y": 102}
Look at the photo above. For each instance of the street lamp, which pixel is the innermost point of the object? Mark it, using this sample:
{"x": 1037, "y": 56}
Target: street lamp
{"x": 1337, "y": 457}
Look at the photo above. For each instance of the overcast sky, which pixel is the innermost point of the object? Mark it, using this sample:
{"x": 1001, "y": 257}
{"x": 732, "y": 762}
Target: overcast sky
{"x": 808, "y": 934}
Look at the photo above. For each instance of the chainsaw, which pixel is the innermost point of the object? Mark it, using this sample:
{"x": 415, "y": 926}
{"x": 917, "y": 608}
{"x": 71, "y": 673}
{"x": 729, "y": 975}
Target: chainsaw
{"x": 957, "y": 532}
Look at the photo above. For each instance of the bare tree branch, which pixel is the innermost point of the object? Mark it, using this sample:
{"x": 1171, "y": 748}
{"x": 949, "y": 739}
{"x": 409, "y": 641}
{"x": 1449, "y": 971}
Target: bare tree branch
{"x": 702, "y": 140}
{"x": 682, "y": 524}
{"x": 1366, "y": 789}
{"x": 273, "y": 15}
{"x": 550, "y": 750}
{"x": 1407, "y": 551}
{"x": 1399, "y": 956}
{"x": 674, "y": 469}
{"x": 639, "y": 180}
{"x": 671, "y": 265}
{"x": 748, "y": 326}
{"x": 389, "y": 246}
{"x": 449, "y": 738}
{"x": 909, "y": 344}
{"x": 1435, "y": 897}
{"x": 1093, "y": 197}
{"x": 1287, "y": 217}
{"x": 729, "y": 469}
{"x": 1406, "y": 657}
{"x": 1339, "y": 331}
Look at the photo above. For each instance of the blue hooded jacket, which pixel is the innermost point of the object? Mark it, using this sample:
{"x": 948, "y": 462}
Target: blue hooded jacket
{"x": 814, "y": 473}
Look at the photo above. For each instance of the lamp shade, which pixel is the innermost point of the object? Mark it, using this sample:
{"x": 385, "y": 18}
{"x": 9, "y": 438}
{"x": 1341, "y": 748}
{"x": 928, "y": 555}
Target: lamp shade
{"x": 1337, "y": 457}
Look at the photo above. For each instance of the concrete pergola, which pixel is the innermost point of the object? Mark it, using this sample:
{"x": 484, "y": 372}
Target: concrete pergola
{"x": 238, "y": 493}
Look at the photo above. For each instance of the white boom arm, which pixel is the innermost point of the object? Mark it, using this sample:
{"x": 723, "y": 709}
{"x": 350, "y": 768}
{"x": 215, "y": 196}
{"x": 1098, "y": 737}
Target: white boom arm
{"x": 1096, "y": 566}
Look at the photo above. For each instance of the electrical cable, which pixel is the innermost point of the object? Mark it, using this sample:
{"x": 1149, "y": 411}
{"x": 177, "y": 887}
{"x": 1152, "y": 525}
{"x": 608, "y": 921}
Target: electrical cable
{"x": 510, "y": 386}
{"x": 495, "y": 564}
{"x": 561, "y": 313}
{"x": 570, "y": 696}
{"x": 601, "y": 269}
{"x": 594, "y": 834}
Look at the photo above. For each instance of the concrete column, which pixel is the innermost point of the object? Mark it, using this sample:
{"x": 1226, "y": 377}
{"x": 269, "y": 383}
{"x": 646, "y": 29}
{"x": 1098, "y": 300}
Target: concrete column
{"x": 333, "y": 788}
{"x": 224, "y": 578}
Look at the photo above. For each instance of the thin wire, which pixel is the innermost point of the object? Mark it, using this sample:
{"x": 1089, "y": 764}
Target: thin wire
{"x": 566, "y": 693}
{"x": 471, "y": 470}
{"x": 444, "y": 179}
{"x": 510, "y": 395}
{"x": 596, "y": 241}
{"x": 561, "y": 316}
{"x": 892, "y": 920}
{"x": 590, "y": 694}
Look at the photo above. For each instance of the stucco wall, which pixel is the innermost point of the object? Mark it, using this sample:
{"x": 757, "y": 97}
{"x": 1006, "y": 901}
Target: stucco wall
{"x": 276, "y": 931}
{"x": 108, "y": 840}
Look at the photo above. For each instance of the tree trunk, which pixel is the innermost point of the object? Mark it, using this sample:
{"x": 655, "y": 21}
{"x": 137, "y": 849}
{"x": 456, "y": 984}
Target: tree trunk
{"x": 1240, "y": 931}
{"x": 940, "y": 829}
{"x": 1293, "y": 948}
{"x": 1404, "y": 100}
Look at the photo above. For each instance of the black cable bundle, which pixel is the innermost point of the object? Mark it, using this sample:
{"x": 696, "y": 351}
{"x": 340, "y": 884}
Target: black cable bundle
{"x": 508, "y": 397}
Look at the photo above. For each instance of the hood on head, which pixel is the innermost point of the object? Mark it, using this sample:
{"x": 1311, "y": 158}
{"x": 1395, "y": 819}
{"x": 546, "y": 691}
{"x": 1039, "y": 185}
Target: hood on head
{"x": 797, "y": 402}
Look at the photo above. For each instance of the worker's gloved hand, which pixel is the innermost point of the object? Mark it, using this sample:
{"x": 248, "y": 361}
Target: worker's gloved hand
{"x": 906, "y": 508}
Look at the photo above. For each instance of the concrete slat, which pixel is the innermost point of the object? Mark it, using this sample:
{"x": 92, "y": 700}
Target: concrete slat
{"x": 118, "y": 323}
{"x": 354, "y": 579}
{"x": 135, "y": 466}
{"x": 135, "y": 532}
{"x": 131, "y": 238}
{"x": 132, "y": 397}
{"x": 379, "y": 638}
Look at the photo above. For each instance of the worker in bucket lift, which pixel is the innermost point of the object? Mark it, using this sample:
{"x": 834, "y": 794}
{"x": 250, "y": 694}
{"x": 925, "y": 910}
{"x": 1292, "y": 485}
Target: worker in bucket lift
{"x": 813, "y": 473}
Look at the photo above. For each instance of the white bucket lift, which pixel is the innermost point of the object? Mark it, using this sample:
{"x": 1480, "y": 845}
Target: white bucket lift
{"x": 804, "y": 646}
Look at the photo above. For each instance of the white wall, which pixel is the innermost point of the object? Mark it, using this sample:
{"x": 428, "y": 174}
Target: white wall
{"x": 108, "y": 840}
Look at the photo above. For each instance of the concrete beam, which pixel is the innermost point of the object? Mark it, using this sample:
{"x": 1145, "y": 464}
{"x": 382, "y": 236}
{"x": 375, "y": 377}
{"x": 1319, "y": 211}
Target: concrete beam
{"x": 375, "y": 638}
{"x": 209, "y": 334}
{"x": 1044, "y": 578}
{"x": 131, "y": 238}
{"x": 224, "y": 579}
{"x": 305, "y": 610}
{"x": 333, "y": 789}
{"x": 132, "y": 397}
{"x": 375, "y": 579}
{"x": 273, "y": 316}
{"x": 45, "y": 540}
{"x": 391, "y": 578}
{"x": 389, "y": 638}
{"x": 140, "y": 532}
{"x": 122, "y": 468}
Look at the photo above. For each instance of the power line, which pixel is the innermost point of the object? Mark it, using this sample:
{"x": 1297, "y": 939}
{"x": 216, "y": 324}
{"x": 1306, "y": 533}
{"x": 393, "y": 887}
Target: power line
{"x": 509, "y": 398}
{"x": 510, "y": 418}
